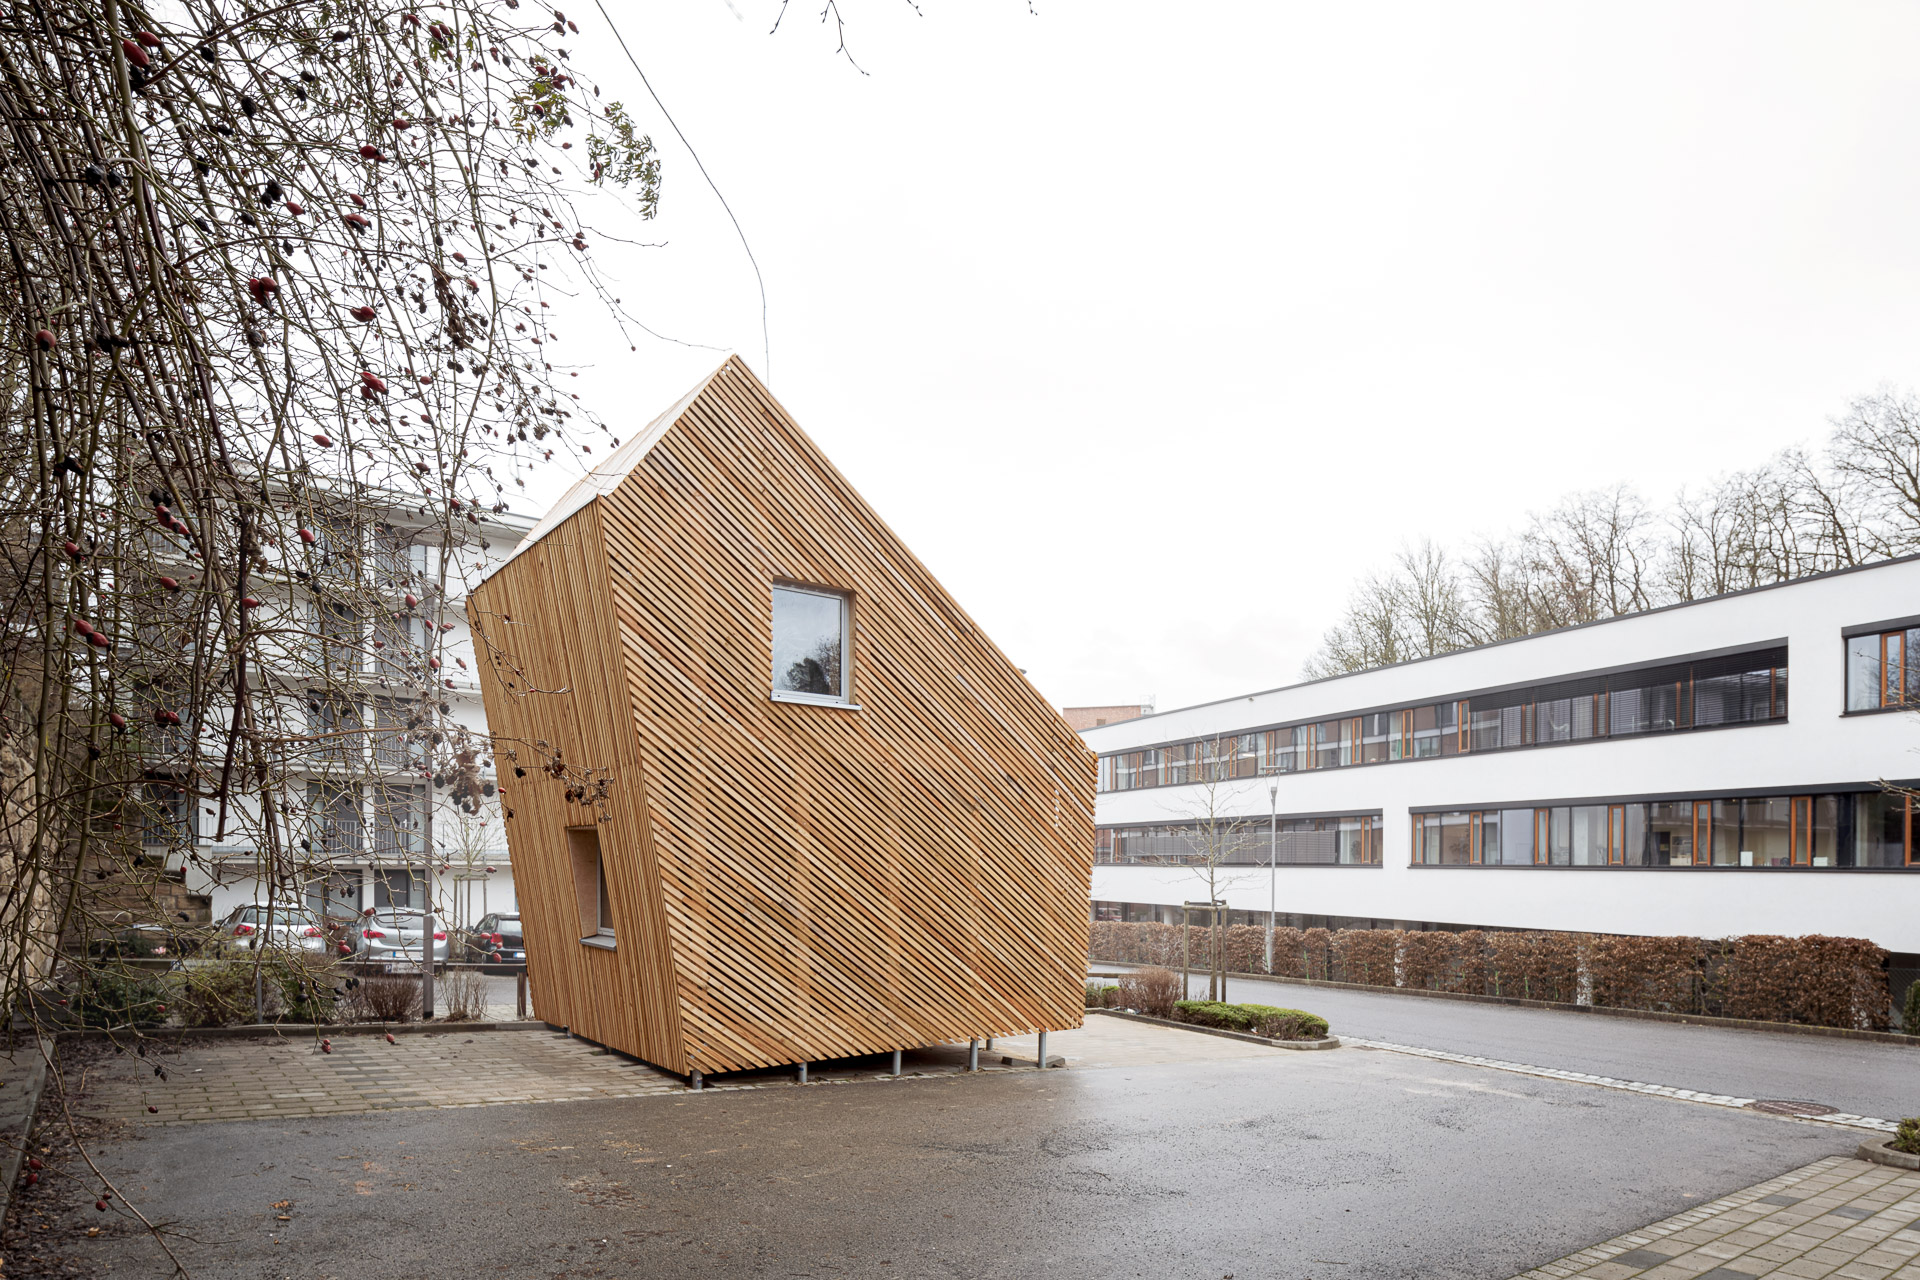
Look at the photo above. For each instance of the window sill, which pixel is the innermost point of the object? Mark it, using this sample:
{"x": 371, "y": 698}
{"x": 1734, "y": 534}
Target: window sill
{"x": 1908, "y": 707}
{"x": 807, "y": 700}
{"x": 599, "y": 941}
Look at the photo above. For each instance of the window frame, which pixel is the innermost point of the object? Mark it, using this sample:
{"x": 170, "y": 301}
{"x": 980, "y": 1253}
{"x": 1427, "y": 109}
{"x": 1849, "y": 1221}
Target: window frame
{"x": 845, "y": 599}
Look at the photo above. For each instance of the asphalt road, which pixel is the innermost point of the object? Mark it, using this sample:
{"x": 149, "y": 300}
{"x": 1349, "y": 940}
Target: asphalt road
{"x": 1354, "y": 1163}
{"x": 1850, "y": 1075}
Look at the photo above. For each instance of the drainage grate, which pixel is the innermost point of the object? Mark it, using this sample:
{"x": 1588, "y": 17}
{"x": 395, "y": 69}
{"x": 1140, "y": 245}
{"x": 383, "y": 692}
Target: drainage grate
{"x": 1784, "y": 1107}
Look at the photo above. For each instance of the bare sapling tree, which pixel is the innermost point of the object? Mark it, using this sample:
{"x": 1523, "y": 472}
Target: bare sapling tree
{"x": 1217, "y": 844}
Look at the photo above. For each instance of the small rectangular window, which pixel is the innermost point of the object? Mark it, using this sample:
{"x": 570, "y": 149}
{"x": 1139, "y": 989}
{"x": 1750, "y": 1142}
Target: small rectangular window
{"x": 810, "y": 645}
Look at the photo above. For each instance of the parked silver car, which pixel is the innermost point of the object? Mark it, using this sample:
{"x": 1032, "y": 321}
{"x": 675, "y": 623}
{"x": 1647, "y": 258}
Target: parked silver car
{"x": 391, "y": 935}
{"x": 291, "y": 929}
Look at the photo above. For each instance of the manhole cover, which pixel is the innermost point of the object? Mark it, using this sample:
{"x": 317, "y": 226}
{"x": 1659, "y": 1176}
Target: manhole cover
{"x": 1783, "y": 1107}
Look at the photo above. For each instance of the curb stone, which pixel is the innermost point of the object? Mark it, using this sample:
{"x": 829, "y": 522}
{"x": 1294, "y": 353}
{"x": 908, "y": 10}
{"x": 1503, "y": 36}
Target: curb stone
{"x": 1330, "y": 1042}
{"x": 19, "y": 1110}
{"x": 1879, "y": 1152}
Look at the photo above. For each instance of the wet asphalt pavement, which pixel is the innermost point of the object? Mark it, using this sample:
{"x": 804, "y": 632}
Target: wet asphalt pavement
{"x": 1353, "y": 1163}
{"x": 1863, "y": 1077}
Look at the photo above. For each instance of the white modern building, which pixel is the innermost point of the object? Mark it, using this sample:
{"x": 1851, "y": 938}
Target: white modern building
{"x": 1714, "y": 768}
{"x": 375, "y": 827}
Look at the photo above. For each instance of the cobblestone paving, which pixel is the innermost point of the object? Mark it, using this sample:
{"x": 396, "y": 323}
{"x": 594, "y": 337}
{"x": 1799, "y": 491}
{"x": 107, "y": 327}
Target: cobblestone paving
{"x": 1842, "y": 1119}
{"x": 254, "y": 1079}
{"x": 227, "y": 1080}
{"x": 1836, "y": 1217}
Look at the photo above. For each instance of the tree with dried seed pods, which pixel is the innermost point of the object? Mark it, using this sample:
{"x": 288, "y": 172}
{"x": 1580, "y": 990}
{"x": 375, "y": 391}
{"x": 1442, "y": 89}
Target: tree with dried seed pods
{"x": 261, "y": 381}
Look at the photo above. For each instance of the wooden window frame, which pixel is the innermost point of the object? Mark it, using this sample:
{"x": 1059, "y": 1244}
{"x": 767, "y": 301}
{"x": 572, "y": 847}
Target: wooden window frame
{"x": 1799, "y": 832}
{"x": 1542, "y": 835}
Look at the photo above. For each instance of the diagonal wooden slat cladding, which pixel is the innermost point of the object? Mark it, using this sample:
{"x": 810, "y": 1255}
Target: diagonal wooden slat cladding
{"x": 790, "y": 881}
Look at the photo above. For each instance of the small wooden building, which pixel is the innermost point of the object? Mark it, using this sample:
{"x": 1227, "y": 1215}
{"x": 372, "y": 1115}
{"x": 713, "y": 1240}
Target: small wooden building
{"x": 771, "y": 796}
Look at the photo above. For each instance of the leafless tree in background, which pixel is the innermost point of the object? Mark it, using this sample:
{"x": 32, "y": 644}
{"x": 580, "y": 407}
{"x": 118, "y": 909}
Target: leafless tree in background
{"x": 1604, "y": 553}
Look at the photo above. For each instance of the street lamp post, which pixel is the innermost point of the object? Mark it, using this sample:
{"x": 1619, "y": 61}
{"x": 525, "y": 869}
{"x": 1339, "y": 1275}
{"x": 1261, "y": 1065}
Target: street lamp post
{"x": 1273, "y": 851}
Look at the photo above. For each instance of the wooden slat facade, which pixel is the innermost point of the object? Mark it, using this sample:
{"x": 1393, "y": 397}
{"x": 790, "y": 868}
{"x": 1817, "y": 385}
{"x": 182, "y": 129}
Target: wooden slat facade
{"x": 789, "y": 882}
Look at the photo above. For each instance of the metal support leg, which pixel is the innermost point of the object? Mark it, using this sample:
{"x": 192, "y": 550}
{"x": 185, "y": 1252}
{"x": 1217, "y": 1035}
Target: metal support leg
{"x": 1043, "y": 1051}
{"x": 973, "y": 1055}
{"x": 989, "y": 1044}
{"x": 697, "y": 1081}
{"x": 520, "y": 994}
{"x": 803, "y": 1072}
{"x": 896, "y": 1062}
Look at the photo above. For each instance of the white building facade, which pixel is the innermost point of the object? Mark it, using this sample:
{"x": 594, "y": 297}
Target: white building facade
{"x": 1712, "y": 769}
{"x": 379, "y": 828}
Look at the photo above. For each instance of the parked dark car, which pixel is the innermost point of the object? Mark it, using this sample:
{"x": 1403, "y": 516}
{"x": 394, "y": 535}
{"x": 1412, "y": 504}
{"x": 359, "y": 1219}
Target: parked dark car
{"x": 495, "y": 940}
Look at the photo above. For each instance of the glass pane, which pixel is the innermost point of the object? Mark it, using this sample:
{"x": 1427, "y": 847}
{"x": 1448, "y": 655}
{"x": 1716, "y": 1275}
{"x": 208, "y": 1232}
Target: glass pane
{"x": 1426, "y": 731}
{"x": 1670, "y": 833}
{"x": 1351, "y": 849}
{"x": 1374, "y": 736}
{"x": 1560, "y": 837}
{"x": 1326, "y": 742}
{"x": 1488, "y": 851}
{"x": 1728, "y": 837}
{"x": 1765, "y": 829}
{"x": 1589, "y": 835}
{"x": 1627, "y": 711}
{"x": 1448, "y": 713}
{"x": 1516, "y": 837}
{"x": 1863, "y": 673}
{"x": 1636, "y": 852}
{"x": 1880, "y": 824}
{"x": 1455, "y": 830}
{"x": 1582, "y": 718}
{"x": 808, "y": 642}
{"x": 1826, "y": 811}
{"x": 1553, "y": 720}
{"x": 1483, "y": 729}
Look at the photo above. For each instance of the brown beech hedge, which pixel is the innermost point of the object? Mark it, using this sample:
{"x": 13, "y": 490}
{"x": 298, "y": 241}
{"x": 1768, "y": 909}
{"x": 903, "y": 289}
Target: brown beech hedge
{"x": 1818, "y": 981}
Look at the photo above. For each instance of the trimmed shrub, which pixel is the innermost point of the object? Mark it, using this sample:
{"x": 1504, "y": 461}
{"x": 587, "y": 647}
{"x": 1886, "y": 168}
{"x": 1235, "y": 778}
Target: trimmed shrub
{"x": 1660, "y": 974}
{"x": 1151, "y": 991}
{"x": 1822, "y": 981}
{"x": 1259, "y": 1019}
{"x": 220, "y": 994}
{"x": 1910, "y": 1012}
{"x": 1907, "y": 1138}
{"x": 1428, "y": 958}
{"x": 1101, "y": 995}
{"x": 119, "y": 997}
{"x": 1834, "y": 982}
{"x": 1366, "y": 956}
{"x": 1534, "y": 966}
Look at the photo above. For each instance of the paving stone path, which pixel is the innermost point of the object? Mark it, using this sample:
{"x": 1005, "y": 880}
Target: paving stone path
{"x": 229, "y": 1080}
{"x": 1836, "y": 1217}
{"x": 260, "y": 1078}
{"x": 1841, "y": 1119}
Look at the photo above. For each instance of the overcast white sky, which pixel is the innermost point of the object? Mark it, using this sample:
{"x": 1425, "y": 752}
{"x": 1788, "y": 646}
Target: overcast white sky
{"x": 1151, "y": 328}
